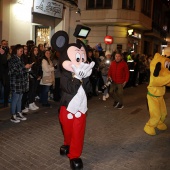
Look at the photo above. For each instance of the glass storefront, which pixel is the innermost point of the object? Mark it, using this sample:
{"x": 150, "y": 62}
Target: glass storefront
{"x": 42, "y": 35}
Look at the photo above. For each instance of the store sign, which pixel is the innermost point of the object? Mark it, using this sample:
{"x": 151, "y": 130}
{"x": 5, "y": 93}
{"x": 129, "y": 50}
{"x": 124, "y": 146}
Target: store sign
{"x": 48, "y": 7}
{"x": 108, "y": 39}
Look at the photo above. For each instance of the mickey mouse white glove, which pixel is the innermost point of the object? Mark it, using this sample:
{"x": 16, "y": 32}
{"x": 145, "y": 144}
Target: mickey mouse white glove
{"x": 83, "y": 71}
{"x": 91, "y": 65}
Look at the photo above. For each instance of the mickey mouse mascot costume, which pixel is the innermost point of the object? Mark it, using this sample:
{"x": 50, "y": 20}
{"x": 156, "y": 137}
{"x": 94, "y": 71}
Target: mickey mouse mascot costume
{"x": 73, "y": 104}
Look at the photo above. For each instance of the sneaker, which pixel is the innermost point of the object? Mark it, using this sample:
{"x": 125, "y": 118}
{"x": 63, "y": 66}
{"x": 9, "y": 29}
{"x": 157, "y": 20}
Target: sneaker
{"x": 31, "y": 106}
{"x": 25, "y": 110}
{"x": 104, "y": 98}
{"x": 107, "y": 95}
{"x": 120, "y": 106}
{"x": 20, "y": 116}
{"x": 35, "y": 105}
{"x": 115, "y": 104}
{"x": 14, "y": 119}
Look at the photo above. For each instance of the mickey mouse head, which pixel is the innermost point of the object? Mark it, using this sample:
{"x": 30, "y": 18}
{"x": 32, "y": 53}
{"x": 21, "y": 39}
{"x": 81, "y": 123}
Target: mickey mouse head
{"x": 71, "y": 54}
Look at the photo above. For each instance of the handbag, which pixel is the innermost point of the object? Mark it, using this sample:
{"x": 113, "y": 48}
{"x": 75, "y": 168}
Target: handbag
{"x": 47, "y": 79}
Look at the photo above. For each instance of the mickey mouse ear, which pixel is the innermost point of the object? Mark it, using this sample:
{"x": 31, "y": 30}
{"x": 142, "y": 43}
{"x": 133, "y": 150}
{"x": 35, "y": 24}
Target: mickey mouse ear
{"x": 59, "y": 40}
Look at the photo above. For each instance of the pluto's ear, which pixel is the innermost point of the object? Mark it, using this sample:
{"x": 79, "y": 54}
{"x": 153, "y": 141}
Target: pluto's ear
{"x": 157, "y": 69}
{"x": 59, "y": 40}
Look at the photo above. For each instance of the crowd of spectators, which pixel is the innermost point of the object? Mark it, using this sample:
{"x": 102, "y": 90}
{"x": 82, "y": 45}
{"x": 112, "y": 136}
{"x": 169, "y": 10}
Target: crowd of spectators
{"x": 138, "y": 67}
{"x": 22, "y": 68}
{"x": 32, "y": 62}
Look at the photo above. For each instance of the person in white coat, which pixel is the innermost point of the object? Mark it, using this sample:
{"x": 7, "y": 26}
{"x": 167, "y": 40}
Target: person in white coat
{"x": 48, "y": 71}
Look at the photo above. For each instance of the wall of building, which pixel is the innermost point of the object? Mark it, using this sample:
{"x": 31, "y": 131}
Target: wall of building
{"x": 114, "y": 22}
{"x": 98, "y": 33}
{"x": 16, "y": 25}
{"x": 74, "y": 20}
{"x": 5, "y": 19}
{"x": 18, "y": 22}
{"x": 0, "y": 19}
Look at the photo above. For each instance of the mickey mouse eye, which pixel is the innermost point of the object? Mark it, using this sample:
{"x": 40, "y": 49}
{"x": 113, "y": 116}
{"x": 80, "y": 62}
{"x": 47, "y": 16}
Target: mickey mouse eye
{"x": 78, "y": 57}
{"x": 83, "y": 58}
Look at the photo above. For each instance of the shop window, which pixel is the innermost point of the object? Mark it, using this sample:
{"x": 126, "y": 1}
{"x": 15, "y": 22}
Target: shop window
{"x": 99, "y": 4}
{"x": 146, "y": 7}
{"x": 128, "y": 4}
{"x": 42, "y": 35}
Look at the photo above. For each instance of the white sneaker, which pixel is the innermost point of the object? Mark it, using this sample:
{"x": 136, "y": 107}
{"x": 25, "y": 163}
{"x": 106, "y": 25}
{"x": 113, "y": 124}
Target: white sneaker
{"x": 31, "y": 106}
{"x": 25, "y": 110}
{"x": 104, "y": 98}
{"x": 20, "y": 116}
{"x": 14, "y": 119}
{"x": 107, "y": 95}
{"x": 35, "y": 105}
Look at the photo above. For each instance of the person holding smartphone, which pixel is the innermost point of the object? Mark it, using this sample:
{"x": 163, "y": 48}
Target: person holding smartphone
{"x": 18, "y": 82}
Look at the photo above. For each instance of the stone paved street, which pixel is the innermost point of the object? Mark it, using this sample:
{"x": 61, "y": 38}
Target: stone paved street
{"x": 114, "y": 138}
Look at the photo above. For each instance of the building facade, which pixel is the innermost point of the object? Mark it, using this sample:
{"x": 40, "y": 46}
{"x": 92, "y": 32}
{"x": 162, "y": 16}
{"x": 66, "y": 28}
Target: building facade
{"x": 22, "y": 20}
{"x": 135, "y": 25}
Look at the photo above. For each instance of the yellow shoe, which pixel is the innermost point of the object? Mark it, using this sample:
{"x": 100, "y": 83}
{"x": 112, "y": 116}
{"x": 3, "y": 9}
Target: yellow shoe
{"x": 162, "y": 126}
{"x": 149, "y": 130}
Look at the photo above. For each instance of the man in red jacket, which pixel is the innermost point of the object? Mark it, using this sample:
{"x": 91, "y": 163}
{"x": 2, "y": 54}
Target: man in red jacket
{"x": 119, "y": 74}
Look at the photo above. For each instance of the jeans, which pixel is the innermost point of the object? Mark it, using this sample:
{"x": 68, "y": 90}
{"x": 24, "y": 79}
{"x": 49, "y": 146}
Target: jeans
{"x": 16, "y": 102}
{"x": 118, "y": 93}
{"x": 32, "y": 90}
{"x": 44, "y": 94}
{"x": 105, "y": 81}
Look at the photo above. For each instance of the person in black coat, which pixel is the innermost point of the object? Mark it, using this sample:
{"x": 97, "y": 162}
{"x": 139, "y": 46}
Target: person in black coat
{"x": 4, "y": 77}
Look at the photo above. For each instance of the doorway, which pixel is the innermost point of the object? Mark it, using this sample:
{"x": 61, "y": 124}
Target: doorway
{"x": 42, "y": 35}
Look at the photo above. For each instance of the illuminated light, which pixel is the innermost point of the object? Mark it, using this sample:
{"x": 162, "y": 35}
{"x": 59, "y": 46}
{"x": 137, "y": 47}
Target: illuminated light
{"x": 107, "y": 61}
{"x": 136, "y": 35}
{"x": 22, "y": 11}
{"x": 130, "y": 31}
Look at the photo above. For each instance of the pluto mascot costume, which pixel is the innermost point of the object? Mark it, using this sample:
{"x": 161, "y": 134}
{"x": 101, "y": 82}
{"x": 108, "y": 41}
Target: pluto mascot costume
{"x": 159, "y": 79}
{"x": 73, "y": 105}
